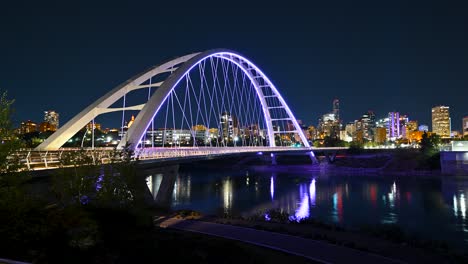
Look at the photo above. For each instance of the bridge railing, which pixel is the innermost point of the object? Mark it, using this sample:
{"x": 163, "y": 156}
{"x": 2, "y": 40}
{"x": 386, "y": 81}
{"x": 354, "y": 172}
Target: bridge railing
{"x": 164, "y": 153}
{"x": 37, "y": 160}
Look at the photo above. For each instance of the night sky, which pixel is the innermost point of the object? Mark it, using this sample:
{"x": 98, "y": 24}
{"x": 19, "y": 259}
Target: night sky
{"x": 372, "y": 56}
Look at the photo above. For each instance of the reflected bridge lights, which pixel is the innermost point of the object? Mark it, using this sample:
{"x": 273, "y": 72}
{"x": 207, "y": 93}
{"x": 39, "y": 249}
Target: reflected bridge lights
{"x": 459, "y": 205}
{"x": 272, "y": 187}
{"x": 307, "y": 200}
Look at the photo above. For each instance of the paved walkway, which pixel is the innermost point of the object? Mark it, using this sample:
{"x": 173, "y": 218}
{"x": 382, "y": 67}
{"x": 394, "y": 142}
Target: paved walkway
{"x": 308, "y": 248}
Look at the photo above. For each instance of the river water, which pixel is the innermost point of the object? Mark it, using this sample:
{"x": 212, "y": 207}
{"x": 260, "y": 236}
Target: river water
{"x": 432, "y": 208}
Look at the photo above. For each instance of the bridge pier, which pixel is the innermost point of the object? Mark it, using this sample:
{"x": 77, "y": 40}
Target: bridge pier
{"x": 166, "y": 188}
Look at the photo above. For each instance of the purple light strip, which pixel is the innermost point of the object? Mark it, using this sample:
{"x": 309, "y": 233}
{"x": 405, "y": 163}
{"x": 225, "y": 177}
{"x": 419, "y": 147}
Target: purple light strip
{"x": 282, "y": 101}
{"x": 269, "y": 125}
{"x": 229, "y": 57}
{"x": 173, "y": 117}
{"x": 187, "y": 94}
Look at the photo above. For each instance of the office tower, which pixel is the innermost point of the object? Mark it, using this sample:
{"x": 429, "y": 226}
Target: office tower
{"x": 393, "y": 130}
{"x": 52, "y": 118}
{"x": 380, "y": 135}
{"x": 336, "y": 109}
{"x": 330, "y": 123}
{"x": 441, "y": 121}
{"x": 411, "y": 125}
{"x": 368, "y": 125}
{"x": 227, "y": 127}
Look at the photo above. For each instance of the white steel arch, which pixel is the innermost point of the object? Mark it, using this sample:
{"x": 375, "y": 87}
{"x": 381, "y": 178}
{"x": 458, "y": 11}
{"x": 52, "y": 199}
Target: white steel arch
{"x": 178, "y": 68}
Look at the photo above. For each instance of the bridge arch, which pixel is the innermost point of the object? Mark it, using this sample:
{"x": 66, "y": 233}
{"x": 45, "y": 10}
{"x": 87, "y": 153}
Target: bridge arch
{"x": 177, "y": 69}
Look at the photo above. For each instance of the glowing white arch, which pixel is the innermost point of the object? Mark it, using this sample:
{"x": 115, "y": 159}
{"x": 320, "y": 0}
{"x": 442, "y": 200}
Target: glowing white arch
{"x": 178, "y": 68}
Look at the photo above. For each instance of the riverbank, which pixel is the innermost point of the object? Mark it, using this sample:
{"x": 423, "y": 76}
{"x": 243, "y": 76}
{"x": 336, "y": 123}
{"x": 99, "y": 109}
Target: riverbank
{"x": 331, "y": 169}
{"x": 394, "y": 246}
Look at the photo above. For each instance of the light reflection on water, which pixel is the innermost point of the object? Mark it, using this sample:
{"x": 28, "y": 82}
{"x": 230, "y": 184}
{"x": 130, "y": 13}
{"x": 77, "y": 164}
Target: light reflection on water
{"x": 435, "y": 208}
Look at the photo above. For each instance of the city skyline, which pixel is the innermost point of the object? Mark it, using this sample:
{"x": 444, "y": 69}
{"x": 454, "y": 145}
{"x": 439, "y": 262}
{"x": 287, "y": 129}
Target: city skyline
{"x": 404, "y": 58}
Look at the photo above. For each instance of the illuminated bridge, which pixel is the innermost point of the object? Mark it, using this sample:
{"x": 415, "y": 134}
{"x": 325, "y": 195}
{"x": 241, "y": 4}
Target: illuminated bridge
{"x": 215, "y": 102}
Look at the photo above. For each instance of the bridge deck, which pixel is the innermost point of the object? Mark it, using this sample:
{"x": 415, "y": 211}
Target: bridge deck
{"x": 37, "y": 160}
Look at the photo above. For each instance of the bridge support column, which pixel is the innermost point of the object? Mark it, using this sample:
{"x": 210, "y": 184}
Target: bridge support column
{"x": 273, "y": 159}
{"x": 164, "y": 196}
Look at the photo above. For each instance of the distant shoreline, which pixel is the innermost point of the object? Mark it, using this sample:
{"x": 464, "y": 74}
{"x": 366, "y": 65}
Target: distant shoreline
{"x": 331, "y": 169}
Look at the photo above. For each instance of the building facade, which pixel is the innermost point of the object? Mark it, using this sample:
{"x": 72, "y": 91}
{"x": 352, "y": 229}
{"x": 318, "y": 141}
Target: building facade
{"x": 52, "y": 118}
{"x": 441, "y": 121}
{"x": 465, "y": 126}
{"x": 28, "y": 127}
{"x": 393, "y": 129}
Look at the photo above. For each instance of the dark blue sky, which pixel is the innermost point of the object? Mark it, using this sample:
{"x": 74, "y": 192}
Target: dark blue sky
{"x": 404, "y": 57}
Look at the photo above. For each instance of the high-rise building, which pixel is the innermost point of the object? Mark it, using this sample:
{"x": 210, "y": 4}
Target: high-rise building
{"x": 380, "y": 135}
{"x": 330, "y": 123}
{"x": 52, "y": 118}
{"x": 336, "y": 109}
{"x": 368, "y": 125}
{"x": 28, "y": 127}
{"x": 227, "y": 127}
{"x": 329, "y": 126}
{"x": 411, "y": 126}
{"x": 403, "y": 121}
{"x": 465, "y": 126}
{"x": 350, "y": 129}
{"x": 441, "y": 121}
{"x": 311, "y": 133}
{"x": 393, "y": 130}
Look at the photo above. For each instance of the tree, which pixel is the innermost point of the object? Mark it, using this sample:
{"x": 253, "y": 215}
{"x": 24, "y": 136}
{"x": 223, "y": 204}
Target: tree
{"x": 428, "y": 144}
{"x": 9, "y": 143}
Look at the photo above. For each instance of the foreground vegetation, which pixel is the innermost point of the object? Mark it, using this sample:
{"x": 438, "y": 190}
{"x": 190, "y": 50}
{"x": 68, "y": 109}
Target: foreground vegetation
{"x": 95, "y": 213}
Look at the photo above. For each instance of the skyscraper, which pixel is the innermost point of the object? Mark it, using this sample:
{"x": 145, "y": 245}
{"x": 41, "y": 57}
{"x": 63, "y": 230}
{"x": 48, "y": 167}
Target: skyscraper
{"x": 52, "y": 118}
{"x": 227, "y": 127}
{"x": 393, "y": 130}
{"x": 465, "y": 126}
{"x": 368, "y": 125}
{"x": 330, "y": 123}
{"x": 336, "y": 109}
{"x": 441, "y": 121}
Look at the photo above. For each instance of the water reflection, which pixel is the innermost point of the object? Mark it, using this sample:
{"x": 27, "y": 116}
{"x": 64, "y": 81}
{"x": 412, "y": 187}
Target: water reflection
{"x": 440, "y": 206}
{"x": 303, "y": 211}
{"x": 392, "y": 196}
{"x": 227, "y": 195}
{"x": 182, "y": 190}
{"x": 307, "y": 200}
{"x": 337, "y": 213}
{"x": 391, "y": 217}
{"x": 312, "y": 193}
{"x": 373, "y": 194}
{"x": 272, "y": 187}
{"x": 459, "y": 205}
